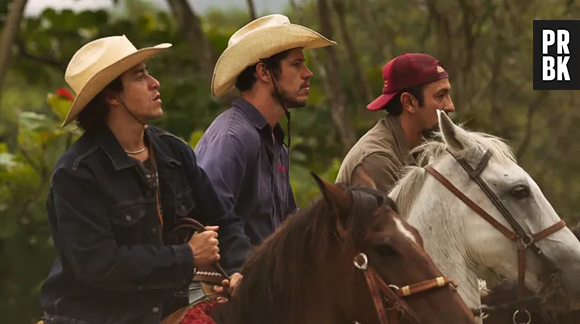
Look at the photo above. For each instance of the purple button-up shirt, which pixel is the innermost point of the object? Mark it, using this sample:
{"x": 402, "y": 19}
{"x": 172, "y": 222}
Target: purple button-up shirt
{"x": 248, "y": 168}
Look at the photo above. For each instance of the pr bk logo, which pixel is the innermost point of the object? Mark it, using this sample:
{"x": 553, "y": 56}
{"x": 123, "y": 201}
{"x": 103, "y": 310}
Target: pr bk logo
{"x": 556, "y": 55}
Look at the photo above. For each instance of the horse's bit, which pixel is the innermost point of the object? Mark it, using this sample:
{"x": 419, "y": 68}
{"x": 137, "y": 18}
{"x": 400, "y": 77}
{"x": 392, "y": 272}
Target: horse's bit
{"x": 393, "y": 294}
{"x": 522, "y": 239}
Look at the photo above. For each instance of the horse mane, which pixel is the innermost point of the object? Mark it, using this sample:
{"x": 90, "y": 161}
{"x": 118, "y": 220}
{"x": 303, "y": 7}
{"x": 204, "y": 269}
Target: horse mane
{"x": 406, "y": 190}
{"x": 279, "y": 273}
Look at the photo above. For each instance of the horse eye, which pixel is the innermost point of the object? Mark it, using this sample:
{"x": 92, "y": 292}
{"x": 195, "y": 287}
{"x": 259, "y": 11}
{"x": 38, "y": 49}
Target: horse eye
{"x": 385, "y": 250}
{"x": 521, "y": 192}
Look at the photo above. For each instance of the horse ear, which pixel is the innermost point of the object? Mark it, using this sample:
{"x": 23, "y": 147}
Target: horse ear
{"x": 455, "y": 137}
{"x": 333, "y": 194}
{"x": 337, "y": 199}
{"x": 360, "y": 177}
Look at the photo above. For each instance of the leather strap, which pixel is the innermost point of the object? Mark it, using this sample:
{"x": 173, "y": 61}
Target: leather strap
{"x": 512, "y": 236}
{"x": 522, "y": 276}
{"x": 396, "y": 307}
{"x": 438, "y": 282}
{"x": 526, "y": 240}
{"x": 549, "y": 231}
{"x": 154, "y": 182}
{"x": 376, "y": 295}
{"x": 191, "y": 224}
{"x": 522, "y": 239}
{"x": 519, "y": 231}
{"x": 492, "y": 197}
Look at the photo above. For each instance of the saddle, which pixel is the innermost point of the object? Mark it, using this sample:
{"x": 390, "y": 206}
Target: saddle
{"x": 207, "y": 276}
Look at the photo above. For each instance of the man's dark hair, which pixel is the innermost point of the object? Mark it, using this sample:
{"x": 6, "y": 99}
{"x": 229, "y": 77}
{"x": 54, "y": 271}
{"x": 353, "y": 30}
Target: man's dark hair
{"x": 247, "y": 78}
{"x": 94, "y": 116}
{"x": 395, "y": 108}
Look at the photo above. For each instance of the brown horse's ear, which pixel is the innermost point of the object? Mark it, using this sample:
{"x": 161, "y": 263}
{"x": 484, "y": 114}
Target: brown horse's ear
{"x": 338, "y": 199}
{"x": 360, "y": 177}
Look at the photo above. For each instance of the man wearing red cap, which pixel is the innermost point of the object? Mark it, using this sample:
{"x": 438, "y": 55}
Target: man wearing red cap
{"x": 415, "y": 86}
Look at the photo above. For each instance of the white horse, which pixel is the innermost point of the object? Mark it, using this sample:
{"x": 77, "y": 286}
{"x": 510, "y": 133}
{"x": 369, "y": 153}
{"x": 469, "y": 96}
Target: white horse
{"x": 460, "y": 241}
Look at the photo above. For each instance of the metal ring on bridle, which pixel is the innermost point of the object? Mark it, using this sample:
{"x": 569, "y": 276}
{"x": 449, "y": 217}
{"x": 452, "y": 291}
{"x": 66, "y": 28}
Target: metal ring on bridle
{"x": 394, "y": 287}
{"x": 365, "y": 263}
{"x": 527, "y": 313}
{"x": 452, "y": 286}
{"x": 525, "y": 241}
{"x": 483, "y": 314}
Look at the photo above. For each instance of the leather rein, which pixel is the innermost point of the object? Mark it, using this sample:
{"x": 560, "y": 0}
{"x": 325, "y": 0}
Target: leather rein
{"x": 392, "y": 296}
{"x": 209, "y": 275}
{"x": 522, "y": 240}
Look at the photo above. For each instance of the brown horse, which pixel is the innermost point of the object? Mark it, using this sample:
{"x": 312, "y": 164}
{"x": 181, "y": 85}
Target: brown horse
{"x": 501, "y": 306}
{"x": 348, "y": 258}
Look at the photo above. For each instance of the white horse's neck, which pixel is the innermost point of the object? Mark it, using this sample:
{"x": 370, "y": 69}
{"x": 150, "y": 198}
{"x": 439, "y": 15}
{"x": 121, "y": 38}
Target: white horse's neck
{"x": 437, "y": 220}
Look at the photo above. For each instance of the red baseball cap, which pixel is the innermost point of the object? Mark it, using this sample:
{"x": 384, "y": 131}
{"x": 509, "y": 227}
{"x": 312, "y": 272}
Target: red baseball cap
{"x": 406, "y": 71}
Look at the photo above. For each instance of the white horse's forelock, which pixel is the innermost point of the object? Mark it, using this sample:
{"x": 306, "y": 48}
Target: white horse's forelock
{"x": 432, "y": 150}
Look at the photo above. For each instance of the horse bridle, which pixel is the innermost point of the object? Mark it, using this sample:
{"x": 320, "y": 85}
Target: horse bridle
{"x": 392, "y": 295}
{"x": 522, "y": 239}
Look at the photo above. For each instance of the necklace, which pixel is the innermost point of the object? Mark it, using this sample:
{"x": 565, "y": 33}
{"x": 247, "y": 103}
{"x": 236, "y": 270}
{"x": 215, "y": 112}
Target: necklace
{"x": 136, "y": 152}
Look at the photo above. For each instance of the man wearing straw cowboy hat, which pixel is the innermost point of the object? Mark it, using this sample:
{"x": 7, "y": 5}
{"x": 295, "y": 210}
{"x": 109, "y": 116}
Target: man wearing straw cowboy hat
{"x": 243, "y": 150}
{"x": 118, "y": 191}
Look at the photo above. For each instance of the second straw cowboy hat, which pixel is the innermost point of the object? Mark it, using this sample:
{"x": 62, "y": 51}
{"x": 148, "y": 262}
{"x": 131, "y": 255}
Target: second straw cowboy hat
{"x": 260, "y": 39}
{"x": 100, "y": 62}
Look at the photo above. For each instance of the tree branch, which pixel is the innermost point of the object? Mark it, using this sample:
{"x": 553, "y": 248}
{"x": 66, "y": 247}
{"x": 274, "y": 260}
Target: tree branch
{"x": 337, "y": 100}
{"x": 377, "y": 32}
{"x": 469, "y": 36}
{"x": 29, "y": 160}
{"x": 494, "y": 87}
{"x": 532, "y": 108}
{"x": 446, "y": 43}
{"x": 363, "y": 88}
{"x": 426, "y": 32}
{"x": 50, "y": 61}
{"x": 191, "y": 28}
{"x": 252, "y": 9}
{"x": 44, "y": 176}
{"x": 10, "y": 32}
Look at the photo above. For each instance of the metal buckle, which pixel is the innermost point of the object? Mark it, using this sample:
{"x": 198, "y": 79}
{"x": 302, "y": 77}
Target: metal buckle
{"x": 453, "y": 287}
{"x": 524, "y": 242}
{"x": 483, "y": 314}
{"x": 527, "y": 313}
{"x": 365, "y": 263}
{"x": 394, "y": 287}
{"x": 481, "y": 311}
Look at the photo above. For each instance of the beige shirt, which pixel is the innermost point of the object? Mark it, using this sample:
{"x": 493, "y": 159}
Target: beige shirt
{"x": 382, "y": 151}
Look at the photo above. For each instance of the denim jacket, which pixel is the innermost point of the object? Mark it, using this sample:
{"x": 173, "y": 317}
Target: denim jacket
{"x": 112, "y": 264}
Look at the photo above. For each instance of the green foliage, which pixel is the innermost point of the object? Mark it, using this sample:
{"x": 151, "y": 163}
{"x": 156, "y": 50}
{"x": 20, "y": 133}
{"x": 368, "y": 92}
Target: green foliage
{"x": 24, "y": 236}
{"x": 195, "y": 137}
{"x": 303, "y": 184}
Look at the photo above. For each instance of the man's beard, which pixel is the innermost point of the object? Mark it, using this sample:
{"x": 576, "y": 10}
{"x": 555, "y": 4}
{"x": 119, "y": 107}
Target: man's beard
{"x": 429, "y": 133}
{"x": 287, "y": 99}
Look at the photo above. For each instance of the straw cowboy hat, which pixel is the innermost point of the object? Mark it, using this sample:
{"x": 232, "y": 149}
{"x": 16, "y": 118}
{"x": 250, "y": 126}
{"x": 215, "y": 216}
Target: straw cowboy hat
{"x": 260, "y": 39}
{"x": 100, "y": 62}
